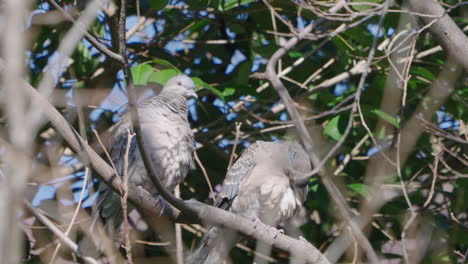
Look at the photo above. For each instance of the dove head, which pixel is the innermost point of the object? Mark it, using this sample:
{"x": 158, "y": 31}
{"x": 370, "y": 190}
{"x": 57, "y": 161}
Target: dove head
{"x": 181, "y": 84}
{"x": 298, "y": 159}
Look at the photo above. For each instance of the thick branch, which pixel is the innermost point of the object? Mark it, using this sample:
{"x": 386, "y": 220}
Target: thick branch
{"x": 151, "y": 209}
{"x": 450, "y": 36}
{"x": 149, "y": 166}
{"x": 215, "y": 216}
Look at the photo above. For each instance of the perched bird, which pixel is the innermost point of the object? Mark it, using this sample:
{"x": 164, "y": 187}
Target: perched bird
{"x": 168, "y": 139}
{"x": 259, "y": 186}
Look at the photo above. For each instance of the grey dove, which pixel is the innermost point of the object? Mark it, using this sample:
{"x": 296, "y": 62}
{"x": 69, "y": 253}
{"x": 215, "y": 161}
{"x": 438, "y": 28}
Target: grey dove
{"x": 168, "y": 139}
{"x": 260, "y": 186}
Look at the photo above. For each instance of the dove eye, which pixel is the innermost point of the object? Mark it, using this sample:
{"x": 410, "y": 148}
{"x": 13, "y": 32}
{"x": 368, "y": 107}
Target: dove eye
{"x": 179, "y": 83}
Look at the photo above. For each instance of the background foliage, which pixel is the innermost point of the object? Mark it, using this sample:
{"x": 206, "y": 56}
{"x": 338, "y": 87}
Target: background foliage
{"x": 220, "y": 44}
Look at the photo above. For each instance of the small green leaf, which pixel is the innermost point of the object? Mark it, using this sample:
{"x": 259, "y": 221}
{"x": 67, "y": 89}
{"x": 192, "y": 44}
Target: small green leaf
{"x": 314, "y": 187}
{"x": 381, "y": 134}
{"x": 423, "y": 72}
{"x": 332, "y": 128}
{"x": 445, "y": 258}
{"x": 200, "y": 84}
{"x": 313, "y": 184}
{"x": 228, "y": 92}
{"x": 361, "y": 189}
{"x": 364, "y": 7}
{"x": 166, "y": 63}
{"x": 158, "y": 4}
{"x": 243, "y": 73}
{"x": 141, "y": 74}
{"x": 295, "y": 54}
{"x": 79, "y": 85}
{"x": 392, "y": 120}
{"x": 163, "y": 76}
{"x": 199, "y": 25}
{"x": 230, "y": 4}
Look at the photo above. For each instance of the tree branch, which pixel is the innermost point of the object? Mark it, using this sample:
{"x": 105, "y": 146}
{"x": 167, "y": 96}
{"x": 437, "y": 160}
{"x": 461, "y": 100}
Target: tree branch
{"x": 450, "y": 36}
{"x": 98, "y": 45}
{"x": 152, "y": 209}
{"x": 306, "y": 139}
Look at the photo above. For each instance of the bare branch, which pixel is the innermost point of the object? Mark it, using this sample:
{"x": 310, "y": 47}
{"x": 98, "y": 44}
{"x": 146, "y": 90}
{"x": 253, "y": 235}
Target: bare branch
{"x": 60, "y": 235}
{"x": 451, "y": 37}
{"x": 234, "y": 145}
{"x": 98, "y": 45}
{"x": 75, "y": 213}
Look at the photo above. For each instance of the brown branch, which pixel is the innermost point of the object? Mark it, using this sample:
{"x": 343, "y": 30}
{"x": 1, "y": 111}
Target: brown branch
{"x": 205, "y": 174}
{"x": 98, "y": 45}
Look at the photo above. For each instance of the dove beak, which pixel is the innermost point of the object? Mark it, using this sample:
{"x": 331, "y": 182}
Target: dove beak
{"x": 193, "y": 94}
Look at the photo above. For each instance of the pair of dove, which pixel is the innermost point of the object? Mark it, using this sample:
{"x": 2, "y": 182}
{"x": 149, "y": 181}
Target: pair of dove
{"x": 259, "y": 185}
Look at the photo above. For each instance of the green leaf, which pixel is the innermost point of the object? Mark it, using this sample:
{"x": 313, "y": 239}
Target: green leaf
{"x": 228, "y": 92}
{"x": 295, "y": 54}
{"x": 163, "y": 76}
{"x": 166, "y": 63}
{"x": 243, "y": 73}
{"x": 364, "y": 7}
{"x": 361, "y": 189}
{"x": 423, "y": 72}
{"x": 332, "y": 129}
{"x": 200, "y": 84}
{"x": 381, "y": 133}
{"x": 79, "y": 85}
{"x": 141, "y": 74}
{"x": 445, "y": 258}
{"x": 313, "y": 184}
{"x": 392, "y": 120}
{"x": 199, "y": 25}
{"x": 230, "y": 4}
{"x": 158, "y": 4}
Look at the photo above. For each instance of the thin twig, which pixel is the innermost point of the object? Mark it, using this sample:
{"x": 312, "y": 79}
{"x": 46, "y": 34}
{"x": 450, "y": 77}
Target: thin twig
{"x": 75, "y": 213}
{"x": 135, "y": 119}
{"x": 407, "y": 199}
{"x": 124, "y": 198}
{"x": 212, "y": 192}
{"x": 60, "y": 235}
{"x": 236, "y": 139}
{"x": 98, "y": 45}
{"x": 434, "y": 180}
{"x": 106, "y": 152}
{"x": 118, "y": 178}
{"x": 178, "y": 234}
